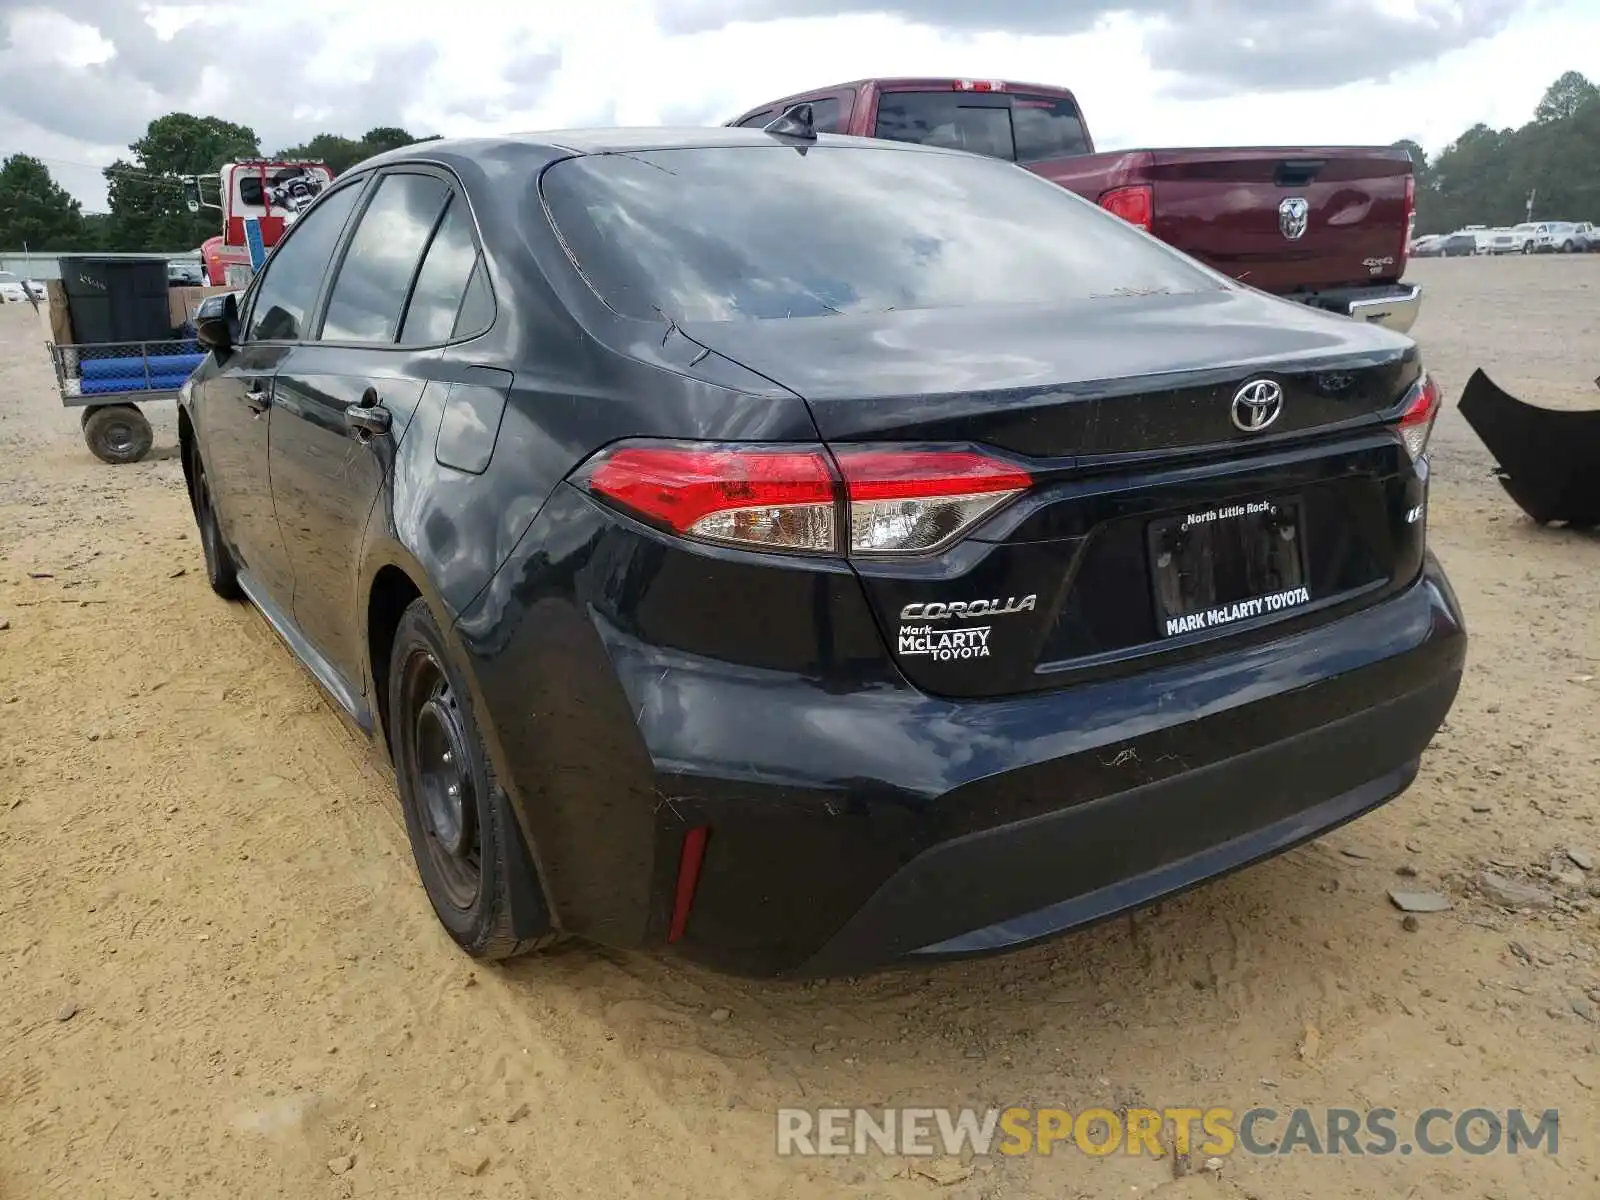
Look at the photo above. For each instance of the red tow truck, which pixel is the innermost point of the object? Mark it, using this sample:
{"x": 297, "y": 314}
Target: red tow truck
{"x": 1328, "y": 226}
{"x": 275, "y": 191}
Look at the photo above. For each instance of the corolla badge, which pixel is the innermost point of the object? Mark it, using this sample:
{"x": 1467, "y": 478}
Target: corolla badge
{"x": 1293, "y": 216}
{"x": 960, "y": 610}
{"x": 1257, "y": 405}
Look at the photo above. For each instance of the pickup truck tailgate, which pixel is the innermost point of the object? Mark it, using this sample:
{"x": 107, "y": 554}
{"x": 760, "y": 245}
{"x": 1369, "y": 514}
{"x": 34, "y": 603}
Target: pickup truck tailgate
{"x": 1292, "y": 218}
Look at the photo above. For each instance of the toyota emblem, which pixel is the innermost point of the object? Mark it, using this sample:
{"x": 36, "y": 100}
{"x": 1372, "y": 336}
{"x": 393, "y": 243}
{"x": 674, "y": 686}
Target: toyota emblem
{"x": 1257, "y": 405}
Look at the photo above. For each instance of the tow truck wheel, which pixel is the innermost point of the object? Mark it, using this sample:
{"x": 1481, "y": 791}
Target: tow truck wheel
{"x": 117, "y": 433}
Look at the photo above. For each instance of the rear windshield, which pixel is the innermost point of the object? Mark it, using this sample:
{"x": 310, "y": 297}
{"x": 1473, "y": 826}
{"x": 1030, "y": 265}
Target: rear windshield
{"x": 1003, "y": 125}
{"x": 768, "y": 232}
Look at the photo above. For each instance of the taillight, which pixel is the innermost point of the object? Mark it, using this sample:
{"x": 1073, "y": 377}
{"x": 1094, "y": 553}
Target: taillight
{"x": 790, "y": 498}
{"x": 782, "y": 498}
{"x": 1416, "y": 420}
{"x": 1135, "y": 204}
{"x": 911, "y": 501}
{"x": 979, "y": 85}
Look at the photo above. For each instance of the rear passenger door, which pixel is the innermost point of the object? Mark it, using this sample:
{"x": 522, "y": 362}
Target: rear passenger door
{"x": 346, "y": 397}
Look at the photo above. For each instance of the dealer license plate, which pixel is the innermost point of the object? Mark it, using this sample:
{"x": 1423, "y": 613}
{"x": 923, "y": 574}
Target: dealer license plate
{"x": 1227, "y": 564}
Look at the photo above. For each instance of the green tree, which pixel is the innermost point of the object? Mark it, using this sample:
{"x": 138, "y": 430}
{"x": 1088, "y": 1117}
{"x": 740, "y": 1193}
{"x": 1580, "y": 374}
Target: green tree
{"x": 99, "y": 231}
{"x": 36, "y": 211}
{"x": 342, "y": 153}
{"x": 1564, "y": 97}
{"x": 1486, "y": 176}
{"x": 146, "y": 194}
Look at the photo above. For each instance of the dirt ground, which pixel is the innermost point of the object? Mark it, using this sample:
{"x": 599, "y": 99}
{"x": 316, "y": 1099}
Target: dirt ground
{"x": 219, "y": 975}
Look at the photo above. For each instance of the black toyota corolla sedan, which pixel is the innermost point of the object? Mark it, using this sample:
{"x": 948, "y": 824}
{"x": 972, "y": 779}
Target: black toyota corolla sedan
{"x": 806, "y": 554}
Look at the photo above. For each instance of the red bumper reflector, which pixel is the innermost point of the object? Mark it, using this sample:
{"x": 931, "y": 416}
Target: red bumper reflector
{"x": 689, "y": 860}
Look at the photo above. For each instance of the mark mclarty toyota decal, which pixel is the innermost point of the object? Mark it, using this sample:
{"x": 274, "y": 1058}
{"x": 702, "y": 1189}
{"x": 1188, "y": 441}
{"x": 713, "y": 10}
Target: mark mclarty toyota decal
{"x": 1229, "y": 613}
{"x": 945, "y": 644}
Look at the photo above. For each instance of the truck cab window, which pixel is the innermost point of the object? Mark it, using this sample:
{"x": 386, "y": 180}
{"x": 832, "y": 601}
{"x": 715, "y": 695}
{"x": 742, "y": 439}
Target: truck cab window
{"x": 953, "y": 120}
{"x": 1047, "y": 127}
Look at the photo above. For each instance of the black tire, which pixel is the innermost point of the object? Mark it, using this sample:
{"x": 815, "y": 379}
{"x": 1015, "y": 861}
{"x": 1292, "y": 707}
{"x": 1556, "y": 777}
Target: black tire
{"x": 1566, "y": 247}
{"x": 117, "y": 433}
{"x": 1527, "y": 247}
{"x": 221, "y": 571}
{"x": 468, "y": 848}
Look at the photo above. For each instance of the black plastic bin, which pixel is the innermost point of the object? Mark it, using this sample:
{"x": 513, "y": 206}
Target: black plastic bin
{"x": 116, "y": 299}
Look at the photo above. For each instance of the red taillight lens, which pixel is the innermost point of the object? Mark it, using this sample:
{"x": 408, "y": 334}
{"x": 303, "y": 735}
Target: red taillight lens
{"x": 1135, "y": 204}
{"x": 778, "y": 497}
{"x": 912, "y": 501}
{"x": 1416, "y": 421}
{"x": 788, "y": 498}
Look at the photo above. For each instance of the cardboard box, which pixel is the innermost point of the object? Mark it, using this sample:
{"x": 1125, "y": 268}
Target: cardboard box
{"x": 183, "y": 301}
{"x": 60, "y": 315}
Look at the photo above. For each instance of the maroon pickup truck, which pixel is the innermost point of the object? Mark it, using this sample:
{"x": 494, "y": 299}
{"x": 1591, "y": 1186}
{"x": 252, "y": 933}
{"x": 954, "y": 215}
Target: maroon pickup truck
{"x": 1327, "y": 226}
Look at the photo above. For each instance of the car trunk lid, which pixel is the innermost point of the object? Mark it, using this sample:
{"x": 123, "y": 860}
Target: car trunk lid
{"x": 1155, "y": 525}
{"x": 1120, "y": 375}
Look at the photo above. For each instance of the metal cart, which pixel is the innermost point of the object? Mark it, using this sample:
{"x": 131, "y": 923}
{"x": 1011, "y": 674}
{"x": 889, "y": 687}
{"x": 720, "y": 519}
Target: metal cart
{"x": 109, "y": 380}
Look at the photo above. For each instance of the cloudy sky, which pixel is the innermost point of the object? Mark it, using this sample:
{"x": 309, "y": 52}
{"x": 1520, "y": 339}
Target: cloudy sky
{"x": 79, "y": 79}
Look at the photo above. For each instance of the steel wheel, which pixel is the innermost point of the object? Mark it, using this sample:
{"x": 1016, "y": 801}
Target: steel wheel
{"x": 479, "y": 876}
{"x": 441, "y": 774}
{"x": 220, "y": 570}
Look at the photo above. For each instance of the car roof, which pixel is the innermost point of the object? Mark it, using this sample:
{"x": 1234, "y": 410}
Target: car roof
{"x": 561, "y": 143}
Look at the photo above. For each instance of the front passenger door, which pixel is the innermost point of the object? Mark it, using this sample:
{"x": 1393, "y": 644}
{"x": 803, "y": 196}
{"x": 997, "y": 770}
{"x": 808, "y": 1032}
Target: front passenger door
{"x": 234, "y": 414}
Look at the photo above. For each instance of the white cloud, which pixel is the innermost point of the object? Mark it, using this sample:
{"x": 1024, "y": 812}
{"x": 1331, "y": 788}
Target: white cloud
{"x": 85, "y": 76}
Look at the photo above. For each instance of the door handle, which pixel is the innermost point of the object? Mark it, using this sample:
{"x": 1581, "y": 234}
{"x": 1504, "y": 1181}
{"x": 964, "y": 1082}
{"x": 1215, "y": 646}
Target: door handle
{"x": 258, "y": 400}
{"x": 367, "y": 420}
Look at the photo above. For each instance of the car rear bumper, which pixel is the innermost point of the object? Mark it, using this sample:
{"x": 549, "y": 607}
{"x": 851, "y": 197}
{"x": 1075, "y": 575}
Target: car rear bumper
{"x": 1015, "y": 884}
{"x": 853, "y": 821}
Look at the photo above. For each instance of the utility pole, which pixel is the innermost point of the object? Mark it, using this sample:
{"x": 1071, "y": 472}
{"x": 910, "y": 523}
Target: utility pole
{"x": 1532, "y": 192}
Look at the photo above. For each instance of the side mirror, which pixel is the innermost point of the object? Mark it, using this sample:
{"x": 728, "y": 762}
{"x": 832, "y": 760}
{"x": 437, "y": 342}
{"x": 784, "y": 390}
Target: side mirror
{"x": 216, "y": 322}
{"x": 191, "y": 194}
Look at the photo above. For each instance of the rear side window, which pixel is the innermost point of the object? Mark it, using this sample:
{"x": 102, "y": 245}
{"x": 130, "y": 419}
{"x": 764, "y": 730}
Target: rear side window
{"x": 381, "y": 259}
{"x": 289, "y": 283}
{"x": 442, "y": 282}
{"x": 740, "y": 233}
{"x": 825, "y": 113}
{"x": 477, "y": 308}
